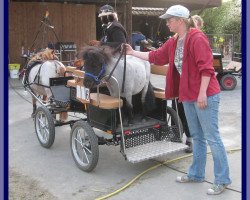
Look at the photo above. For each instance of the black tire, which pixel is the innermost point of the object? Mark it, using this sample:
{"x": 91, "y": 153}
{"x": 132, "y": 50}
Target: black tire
{"x": 219, "y": 76}
{"x": 84, "y": 146}
{"x": 228, "y": 82}
{"x": 44, "y": 126}
{"x": 174, "y": 123}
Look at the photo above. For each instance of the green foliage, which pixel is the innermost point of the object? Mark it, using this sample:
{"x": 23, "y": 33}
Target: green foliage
{"x": 225, "y": 19}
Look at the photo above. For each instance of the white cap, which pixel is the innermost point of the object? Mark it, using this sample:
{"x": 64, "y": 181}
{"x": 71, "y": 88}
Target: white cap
{"x": 176, "y": 11}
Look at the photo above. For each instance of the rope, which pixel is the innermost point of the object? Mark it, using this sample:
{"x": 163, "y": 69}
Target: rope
{"x": 152, "y": 168}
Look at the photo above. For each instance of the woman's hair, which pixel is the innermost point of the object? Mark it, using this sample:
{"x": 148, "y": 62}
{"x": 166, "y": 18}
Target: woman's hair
{"x": 190, "y": 23}
{"x": 194, "y": 21}
{"x": 198, "y": 21}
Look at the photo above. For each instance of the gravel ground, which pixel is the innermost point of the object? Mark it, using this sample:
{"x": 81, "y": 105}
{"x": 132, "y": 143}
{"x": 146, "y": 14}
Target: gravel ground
{"x": 25, "y": 188}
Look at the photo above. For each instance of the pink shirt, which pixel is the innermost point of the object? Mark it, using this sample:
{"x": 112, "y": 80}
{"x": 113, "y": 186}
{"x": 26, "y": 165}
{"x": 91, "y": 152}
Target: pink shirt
{"x": 197, "y": 62}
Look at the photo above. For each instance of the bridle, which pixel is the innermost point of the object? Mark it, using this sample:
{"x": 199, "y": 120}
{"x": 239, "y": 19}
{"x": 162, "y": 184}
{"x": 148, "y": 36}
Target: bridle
{"x": 97, "y": 78}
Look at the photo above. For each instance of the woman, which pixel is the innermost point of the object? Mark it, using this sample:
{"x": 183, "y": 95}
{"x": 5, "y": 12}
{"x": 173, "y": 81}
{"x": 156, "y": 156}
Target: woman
{"x": 191, "y": 77}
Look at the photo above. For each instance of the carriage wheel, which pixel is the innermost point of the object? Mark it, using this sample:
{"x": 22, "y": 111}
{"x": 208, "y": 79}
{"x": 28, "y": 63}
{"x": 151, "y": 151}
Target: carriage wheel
{"x": 228, "y": 82}
{"x": 175, "y": 125}
{"x": 45, "y": 127}
{"x": 84, "y": 146}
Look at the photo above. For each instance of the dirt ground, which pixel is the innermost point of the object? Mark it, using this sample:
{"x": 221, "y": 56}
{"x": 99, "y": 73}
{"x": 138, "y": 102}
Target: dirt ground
{"x": 24, "y": 188}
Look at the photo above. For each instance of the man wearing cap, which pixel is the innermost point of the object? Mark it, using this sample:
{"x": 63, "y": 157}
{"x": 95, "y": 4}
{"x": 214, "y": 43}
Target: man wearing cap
{"x": 192, "y": 79}
{"x": 114, "y": 34}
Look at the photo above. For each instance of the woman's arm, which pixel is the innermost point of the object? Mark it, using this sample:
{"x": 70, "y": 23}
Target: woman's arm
{"x": 138, "y": 54}
{"x": 202, "y": 97}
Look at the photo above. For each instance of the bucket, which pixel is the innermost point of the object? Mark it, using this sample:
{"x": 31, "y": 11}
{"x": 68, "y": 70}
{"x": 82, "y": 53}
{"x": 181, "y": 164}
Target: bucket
{"x": 14, "y": 73}
{"x": 14, "y": 70}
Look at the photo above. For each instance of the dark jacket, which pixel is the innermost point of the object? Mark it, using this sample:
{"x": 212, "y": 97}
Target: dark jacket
{"x": 115, "y": 35}
{"x": 197, "y": 62}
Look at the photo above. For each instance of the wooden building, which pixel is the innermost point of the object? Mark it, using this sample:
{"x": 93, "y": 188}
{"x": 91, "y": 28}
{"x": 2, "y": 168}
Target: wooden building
{"x": 73, "y": 20}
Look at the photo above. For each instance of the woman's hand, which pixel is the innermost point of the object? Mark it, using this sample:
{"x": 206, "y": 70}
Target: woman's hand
{"x": 202, "y": 97}
{"x": 129, "y": 49}
{"x": 138, "y": 54}
{"x": 202, "y": 100}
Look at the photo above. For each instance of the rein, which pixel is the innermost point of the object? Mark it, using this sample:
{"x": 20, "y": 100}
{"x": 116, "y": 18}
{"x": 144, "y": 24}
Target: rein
{"x": 124, "y": 71}
{"x": 37, "y": 77}
{"x": 123, "y": 50}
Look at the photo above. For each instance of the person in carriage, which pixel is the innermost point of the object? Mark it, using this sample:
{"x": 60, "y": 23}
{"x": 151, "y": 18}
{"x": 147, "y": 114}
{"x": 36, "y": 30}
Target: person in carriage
{"x": 114, "y": 34}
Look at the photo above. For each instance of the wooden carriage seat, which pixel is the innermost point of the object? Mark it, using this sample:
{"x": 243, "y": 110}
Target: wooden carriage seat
{"x": 78, "y": 77}
{"x": 159, "y": 70}
{"x": 104, "y": 102}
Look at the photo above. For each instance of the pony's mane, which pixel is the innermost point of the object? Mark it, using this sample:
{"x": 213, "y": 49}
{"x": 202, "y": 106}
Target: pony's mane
{"x": 98, "y": 54}
{"x": 46, "y": 54}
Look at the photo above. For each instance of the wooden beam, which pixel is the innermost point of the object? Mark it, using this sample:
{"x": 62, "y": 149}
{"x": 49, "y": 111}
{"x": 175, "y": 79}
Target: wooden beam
{"x": 129, "y": 20}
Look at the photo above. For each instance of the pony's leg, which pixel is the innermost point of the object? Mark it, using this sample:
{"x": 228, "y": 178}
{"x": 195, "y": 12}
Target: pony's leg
{"x": 143, "y": 97}
{"x": 63, "y": 116}
{"x": 148, "y": 100}
{"x": 45, "y": 98}
{"x": 129, "y": 107}
{"x": 34, "y": 106}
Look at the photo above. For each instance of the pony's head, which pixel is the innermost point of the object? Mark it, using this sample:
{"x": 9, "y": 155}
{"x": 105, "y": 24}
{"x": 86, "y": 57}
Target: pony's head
{"x": 46, "y": 54}
{"x": 78, "y": 62}
{"x": 61, "y": 69}
{"x": 95, "y": 62}
{"x": 49, "y": 54}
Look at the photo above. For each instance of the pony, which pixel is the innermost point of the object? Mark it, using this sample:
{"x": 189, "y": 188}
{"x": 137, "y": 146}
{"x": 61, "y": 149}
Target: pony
{"x": 46, "y": 54}
{"x": 39, "y": 70}
{"x": 99, "y": 62}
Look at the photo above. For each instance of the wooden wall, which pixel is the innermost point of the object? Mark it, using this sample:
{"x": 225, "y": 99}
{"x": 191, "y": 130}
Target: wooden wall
{"x": 73, "y": 23}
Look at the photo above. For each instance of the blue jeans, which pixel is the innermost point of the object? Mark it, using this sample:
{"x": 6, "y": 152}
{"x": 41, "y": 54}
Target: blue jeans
{"x": 203, "y": 126}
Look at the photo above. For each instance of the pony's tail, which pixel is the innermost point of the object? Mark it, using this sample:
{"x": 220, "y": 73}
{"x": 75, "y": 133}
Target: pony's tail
{"x": 150, "y": 104}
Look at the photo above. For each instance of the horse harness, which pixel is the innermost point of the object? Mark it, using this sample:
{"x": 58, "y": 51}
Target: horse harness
{"x": 97, "y": 78}
{"x": 37, "y": 77}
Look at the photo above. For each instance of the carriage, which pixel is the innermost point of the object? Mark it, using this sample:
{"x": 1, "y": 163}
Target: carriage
{"x": 226, "y": 76}
{"x": 158, "y": 135}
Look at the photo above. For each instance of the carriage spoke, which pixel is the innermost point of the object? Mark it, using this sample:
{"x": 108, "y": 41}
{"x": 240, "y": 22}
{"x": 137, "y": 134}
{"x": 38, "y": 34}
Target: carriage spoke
{"x": 79, "y": 135}
{"x": 41, "y": 122}
{"x": 46, "y": 133}
{"x": 84, "y": 152}
{"x": 45, "y": 130}
{"x": 85, "y": 147}
{"x": 78, "y": 141}
{"x": 85, "y": 155}
{"x": 43, "y": 126}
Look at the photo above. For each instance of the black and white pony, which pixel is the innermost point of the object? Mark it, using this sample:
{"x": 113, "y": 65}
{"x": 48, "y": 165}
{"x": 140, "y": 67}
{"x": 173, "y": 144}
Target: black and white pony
{"x": 98, "y": 62}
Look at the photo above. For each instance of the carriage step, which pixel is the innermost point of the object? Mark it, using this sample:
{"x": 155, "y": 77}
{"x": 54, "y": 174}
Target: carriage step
{"x": 152, "y": 150}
